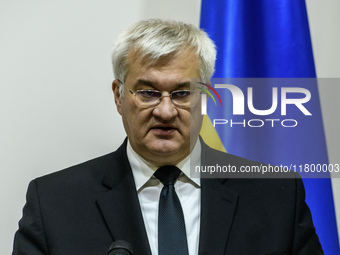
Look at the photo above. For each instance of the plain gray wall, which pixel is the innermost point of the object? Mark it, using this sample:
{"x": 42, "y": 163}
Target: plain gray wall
{"x": 324, "y": 21}
{"x": 56, "y": 104}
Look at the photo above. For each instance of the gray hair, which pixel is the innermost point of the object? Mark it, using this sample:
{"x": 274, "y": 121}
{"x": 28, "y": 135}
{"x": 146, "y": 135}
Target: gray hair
{"x": 157, "y": 38}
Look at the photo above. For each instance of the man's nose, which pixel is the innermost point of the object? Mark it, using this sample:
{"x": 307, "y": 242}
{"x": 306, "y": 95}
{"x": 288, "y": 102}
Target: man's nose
{"x": 165, "y": 110}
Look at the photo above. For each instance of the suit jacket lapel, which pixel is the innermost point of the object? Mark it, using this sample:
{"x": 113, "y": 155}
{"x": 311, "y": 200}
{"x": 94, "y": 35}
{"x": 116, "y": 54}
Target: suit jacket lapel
{"x": 120, "y": 205}
{"x": 218, "y": 205}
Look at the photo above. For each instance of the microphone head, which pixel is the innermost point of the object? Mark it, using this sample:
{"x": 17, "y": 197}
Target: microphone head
{"x": 120, "y": 247}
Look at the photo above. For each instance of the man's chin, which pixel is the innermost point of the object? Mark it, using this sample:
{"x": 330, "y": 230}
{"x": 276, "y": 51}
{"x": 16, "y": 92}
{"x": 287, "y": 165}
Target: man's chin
{"x": 164, "y": 148}
{"x": 168, "y": 152}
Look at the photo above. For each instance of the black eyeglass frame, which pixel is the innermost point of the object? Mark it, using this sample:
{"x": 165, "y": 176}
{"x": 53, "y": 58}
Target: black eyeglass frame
{"x": 158, "y": 99}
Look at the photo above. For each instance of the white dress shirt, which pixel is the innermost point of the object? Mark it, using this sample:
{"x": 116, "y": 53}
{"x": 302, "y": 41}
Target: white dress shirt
{"x": 187, "y": 189}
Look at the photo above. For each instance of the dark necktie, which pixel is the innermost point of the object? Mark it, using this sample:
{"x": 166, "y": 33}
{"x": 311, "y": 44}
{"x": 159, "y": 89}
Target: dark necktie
{"x": 172, "y": 237}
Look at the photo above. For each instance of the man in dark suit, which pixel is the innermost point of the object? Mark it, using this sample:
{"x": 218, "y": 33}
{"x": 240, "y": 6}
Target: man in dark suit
{"x": 125, "y": 196}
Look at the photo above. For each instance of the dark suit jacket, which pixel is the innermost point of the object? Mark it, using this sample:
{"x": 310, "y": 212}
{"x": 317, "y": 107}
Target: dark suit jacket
{"x": 83, "y": 209}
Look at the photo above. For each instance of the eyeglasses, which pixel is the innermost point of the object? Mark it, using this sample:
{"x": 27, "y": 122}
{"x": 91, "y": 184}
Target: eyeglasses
{"x": 180, "y": 98}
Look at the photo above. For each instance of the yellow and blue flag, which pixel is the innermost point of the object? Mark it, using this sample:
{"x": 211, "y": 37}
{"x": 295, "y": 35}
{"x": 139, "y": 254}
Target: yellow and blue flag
{"x": 271, "y": 39}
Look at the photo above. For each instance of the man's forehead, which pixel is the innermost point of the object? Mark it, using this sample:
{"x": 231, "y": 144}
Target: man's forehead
{"x": 173, "y": 70}
{"x": 155, "y": 84}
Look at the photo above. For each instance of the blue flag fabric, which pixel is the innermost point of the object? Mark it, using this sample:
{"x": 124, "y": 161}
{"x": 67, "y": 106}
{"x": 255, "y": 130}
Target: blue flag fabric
{"x": 266, "y": 39}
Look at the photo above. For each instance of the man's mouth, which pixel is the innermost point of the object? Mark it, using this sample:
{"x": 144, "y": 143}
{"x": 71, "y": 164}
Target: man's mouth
{"x": 163, "y": 130}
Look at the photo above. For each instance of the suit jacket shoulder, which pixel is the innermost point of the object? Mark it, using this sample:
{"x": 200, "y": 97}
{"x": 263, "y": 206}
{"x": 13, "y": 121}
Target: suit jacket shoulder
{"x": 82, "y": 209}
{"x": 254, "y": 215}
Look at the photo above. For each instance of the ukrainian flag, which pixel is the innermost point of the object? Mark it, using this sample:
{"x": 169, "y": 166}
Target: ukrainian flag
{"x": 271, "y": 39}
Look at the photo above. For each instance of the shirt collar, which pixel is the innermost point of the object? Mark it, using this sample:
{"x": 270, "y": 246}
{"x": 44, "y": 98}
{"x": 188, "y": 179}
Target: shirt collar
{"x": 143, "y": 171}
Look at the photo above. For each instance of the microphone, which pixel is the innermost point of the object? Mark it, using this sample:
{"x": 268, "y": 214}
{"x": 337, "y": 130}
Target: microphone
{"x": 120, "y": 247}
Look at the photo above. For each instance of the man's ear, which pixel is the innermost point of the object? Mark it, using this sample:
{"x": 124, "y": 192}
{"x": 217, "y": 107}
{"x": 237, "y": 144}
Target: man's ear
{"x": 118, "y": 98}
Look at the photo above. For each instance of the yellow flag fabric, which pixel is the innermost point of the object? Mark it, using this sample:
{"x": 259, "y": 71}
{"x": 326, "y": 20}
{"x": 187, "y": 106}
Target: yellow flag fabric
{"x": 210, "y": 136}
